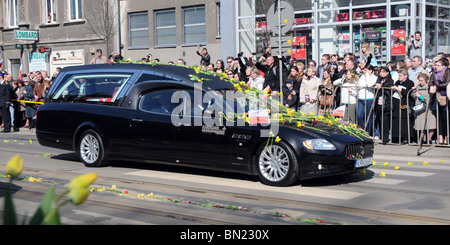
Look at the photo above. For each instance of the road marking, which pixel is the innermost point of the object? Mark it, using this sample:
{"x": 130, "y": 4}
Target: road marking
{"x": 295, "y": 190}
{"x": 99, "y": 219}
{"x": 384, "y": 181}
{"x": 26, "y": 208}
{"x": 401, "y": 172}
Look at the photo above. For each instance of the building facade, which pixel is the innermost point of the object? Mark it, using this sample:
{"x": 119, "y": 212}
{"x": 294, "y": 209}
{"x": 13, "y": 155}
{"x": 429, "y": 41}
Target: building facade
{"x": 341, "y": 26}
{"x": 68, "y": 31}
{"x": 170, "y": 30}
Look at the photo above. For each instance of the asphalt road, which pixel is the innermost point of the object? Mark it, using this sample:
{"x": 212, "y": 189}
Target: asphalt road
{"x": 402, "y": 188}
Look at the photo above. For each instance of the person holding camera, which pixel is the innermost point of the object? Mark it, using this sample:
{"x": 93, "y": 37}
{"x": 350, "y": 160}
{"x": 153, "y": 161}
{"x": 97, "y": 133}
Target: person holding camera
{"x": 415, "y": 44}
{"x": 205, "y": 57}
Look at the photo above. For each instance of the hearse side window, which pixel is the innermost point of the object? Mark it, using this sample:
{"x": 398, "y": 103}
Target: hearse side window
{"x": 91, "y": 87}
{"x": 158, "y": 102}
{"x": 153, "y": 76}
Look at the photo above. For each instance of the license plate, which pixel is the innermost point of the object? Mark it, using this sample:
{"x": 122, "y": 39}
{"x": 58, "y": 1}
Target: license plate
{"x": 364, "y": 162}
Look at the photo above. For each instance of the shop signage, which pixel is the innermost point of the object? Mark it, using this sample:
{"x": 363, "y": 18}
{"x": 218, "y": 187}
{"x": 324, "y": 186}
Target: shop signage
{"x": 344, "y": 43}
{"x": 398, "y": 42}
{"x": 30, "y": 35}
{"x": 37, "y": 61}
{"x": 67, "y": 57}
{"x": 299, "y": 49}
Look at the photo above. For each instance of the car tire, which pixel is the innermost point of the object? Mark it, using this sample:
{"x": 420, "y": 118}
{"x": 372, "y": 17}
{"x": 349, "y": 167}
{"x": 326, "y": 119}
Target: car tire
{"x": 276, "y": 164}
{"x": 90, "y": 149}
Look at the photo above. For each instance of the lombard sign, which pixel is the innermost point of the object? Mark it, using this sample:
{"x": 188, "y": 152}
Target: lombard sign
{"x": 30, "y": 35}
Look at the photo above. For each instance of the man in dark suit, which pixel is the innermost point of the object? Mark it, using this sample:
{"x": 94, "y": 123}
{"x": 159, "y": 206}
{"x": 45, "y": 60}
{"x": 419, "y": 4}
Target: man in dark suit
{"x": 5, "y": 102}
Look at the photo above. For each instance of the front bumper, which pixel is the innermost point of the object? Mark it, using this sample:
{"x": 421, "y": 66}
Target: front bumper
{"x": 320, "y": 164}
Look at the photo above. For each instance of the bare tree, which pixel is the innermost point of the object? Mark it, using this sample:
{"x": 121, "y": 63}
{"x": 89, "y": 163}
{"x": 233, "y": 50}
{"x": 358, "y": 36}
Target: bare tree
{"x": 102, "y": 20}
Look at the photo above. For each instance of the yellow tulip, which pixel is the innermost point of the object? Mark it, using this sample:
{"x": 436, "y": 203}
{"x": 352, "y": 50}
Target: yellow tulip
{"x": 277, "y": 139}
{"x": 78, "y": 195}
{"x": 410, "y": 163}
{"x": 396, "y": 167}
{"x": 14, "y": 166}
{"x": 385, "y": 164}
{"x": 382, "y": 174}
{"x": 82, "y": 181}
{"x": 425, "y": 163}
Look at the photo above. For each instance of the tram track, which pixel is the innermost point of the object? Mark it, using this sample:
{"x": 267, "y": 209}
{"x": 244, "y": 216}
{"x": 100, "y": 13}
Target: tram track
{"x": 235, "y": 197}
{"x": 132, "y": 207}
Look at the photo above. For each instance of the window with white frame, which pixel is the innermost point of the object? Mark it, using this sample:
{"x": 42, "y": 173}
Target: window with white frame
{"x": 165, "y": 27}
{"x": 219, "y": 27}
{"x": 75, "y": 9}
{"x": 194, "y": 25}
{"x": 12, "y": 12}
{"x": 50, "y": 11}
{"x": 139, "y": 31}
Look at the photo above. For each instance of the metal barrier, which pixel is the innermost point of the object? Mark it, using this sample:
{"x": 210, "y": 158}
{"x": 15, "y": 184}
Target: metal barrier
{"x": 418, "y": 132}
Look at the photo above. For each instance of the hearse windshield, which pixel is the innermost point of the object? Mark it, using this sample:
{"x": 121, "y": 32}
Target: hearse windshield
{"x": 91, "y": 87}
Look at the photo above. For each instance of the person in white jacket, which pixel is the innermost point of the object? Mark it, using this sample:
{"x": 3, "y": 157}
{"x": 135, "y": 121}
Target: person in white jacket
{"x": 348, "y": 95}
{"x": 256, "y": 80}
{"x": 366, "y": 83}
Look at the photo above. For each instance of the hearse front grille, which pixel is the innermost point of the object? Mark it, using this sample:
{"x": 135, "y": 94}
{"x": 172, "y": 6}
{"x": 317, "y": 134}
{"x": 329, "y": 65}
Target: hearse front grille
{"x": 359, "y": 150}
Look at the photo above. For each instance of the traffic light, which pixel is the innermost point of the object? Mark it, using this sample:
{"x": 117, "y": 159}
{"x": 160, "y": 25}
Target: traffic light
{"x": 42, "y": 49}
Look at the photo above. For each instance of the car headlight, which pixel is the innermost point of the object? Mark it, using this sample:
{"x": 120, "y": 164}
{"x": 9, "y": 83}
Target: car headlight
{"x": 319, "y": 144}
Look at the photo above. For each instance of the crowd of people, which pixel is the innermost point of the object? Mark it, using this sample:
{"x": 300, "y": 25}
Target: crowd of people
{"x": 32, "y": 87}
{"x": 383, "y": 100}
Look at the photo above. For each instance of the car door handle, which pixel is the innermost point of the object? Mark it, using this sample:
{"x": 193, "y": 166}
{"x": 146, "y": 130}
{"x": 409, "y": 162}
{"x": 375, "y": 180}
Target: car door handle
{"x": 136, "y": 120}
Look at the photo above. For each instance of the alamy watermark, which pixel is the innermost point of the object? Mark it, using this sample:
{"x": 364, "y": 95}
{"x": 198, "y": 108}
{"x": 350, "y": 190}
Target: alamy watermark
{"x": 230, "y": 108}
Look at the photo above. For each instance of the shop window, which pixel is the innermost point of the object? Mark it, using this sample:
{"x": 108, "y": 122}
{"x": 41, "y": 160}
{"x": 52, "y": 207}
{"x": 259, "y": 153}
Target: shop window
{"x": 369, "y": 13}
{"x": 262, "y": 6}
{"x": 302, "y": 5}
{"x": 375, "y": 35}
{"x": 340, "y": 17}
{"x": 330, "y": 16}
{"x": 324, "y": 4}
{"x": 401, "y": 10}
{"x": 342, "y": 40}
{"x": 364, "y": 2}
{"x": 431, "y": 11}
{"x": 444, "y": 13}
{"x": 399, "y": 36}
{"x": 301, "y": 20}
{"x": 443, "y": 37}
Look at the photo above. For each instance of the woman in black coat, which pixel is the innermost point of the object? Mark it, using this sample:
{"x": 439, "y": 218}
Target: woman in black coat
{"x": 383, "y": 103}
{"x": 400, "y": 113}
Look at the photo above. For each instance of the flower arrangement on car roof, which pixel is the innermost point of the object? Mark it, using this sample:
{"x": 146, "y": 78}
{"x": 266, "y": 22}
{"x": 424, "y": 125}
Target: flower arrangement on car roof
{"x": 283, "y": 115}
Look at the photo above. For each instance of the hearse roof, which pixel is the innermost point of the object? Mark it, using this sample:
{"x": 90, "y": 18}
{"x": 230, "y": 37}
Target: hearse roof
{"x": 176, "y": 71}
